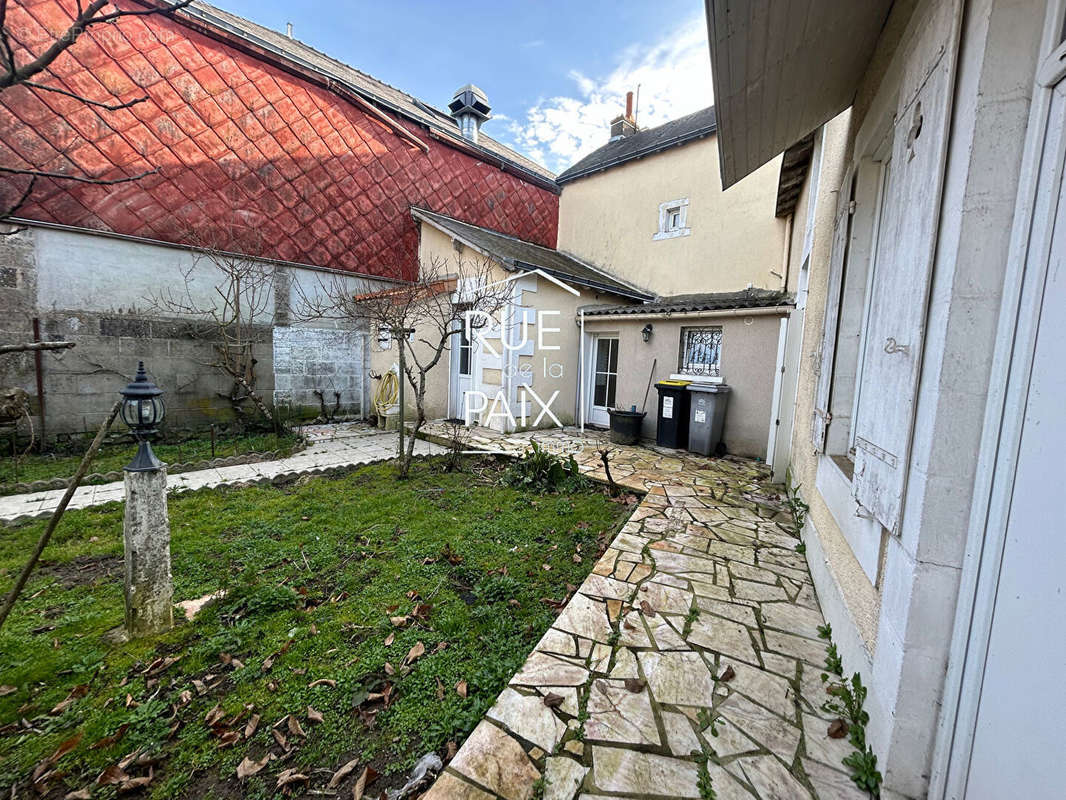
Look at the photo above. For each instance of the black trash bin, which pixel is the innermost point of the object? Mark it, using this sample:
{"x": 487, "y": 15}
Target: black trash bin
{"x": 672, "y": 427}
{"x": 707, "y": 416}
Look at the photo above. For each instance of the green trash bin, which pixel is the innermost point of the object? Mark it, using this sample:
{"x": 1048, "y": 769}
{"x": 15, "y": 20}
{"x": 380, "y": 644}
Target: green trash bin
{"x": 707, "y": 405}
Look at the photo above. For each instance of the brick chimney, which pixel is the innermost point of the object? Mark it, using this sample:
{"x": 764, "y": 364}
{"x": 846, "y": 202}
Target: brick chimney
{"x": 624, "y": 125}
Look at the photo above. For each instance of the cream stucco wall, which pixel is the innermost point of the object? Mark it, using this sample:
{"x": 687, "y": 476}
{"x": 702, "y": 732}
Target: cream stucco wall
{"x": 609, "y": 218}
{"x": 749, "y": 353}
{"x": 547, "y": 369}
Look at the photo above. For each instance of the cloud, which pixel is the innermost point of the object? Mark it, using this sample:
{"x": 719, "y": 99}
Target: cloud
{"x": 674, "y": 75}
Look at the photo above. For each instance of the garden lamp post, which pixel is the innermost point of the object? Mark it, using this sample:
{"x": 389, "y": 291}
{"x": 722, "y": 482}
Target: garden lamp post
{"x": 148, "y": 582}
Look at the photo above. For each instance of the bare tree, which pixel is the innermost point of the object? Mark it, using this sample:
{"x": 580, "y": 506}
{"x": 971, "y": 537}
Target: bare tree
{"x": 22, "y": 64}
{"x": 422, "y": 316}
{"x": 235, "y": 312}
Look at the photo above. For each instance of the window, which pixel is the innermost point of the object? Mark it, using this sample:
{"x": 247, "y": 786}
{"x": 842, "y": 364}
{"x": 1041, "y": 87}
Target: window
{"x": 464, "y": 351}
{"x": 384, "y": 338}
{"x": 605, "y": 377}
{"x": 673, "y": 219}
{"x": 701, "y": 351}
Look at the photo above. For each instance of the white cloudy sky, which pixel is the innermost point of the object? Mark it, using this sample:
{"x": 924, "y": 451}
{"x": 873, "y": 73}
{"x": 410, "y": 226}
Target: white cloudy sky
{"x": 674, "y": 75}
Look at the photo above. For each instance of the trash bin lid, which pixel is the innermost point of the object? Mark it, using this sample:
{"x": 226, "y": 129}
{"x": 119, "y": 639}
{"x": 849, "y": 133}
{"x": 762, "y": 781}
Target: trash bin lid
{"x": 714, "y": 388}
{"x": 678, "y": 384}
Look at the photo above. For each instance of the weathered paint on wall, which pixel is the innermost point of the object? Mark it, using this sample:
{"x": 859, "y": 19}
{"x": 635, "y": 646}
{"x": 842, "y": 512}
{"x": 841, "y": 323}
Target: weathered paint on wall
{"x": 537, "y": 294}
{"x": 101, "y": 292}
{"x": 749, "y": 354}
{"x": 610, "y": 218}
{"x": 236, "y": 140}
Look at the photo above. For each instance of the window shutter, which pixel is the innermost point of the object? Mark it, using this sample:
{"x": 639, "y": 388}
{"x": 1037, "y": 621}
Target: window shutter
{"x": 900, "y": 284}
{"x": 837, "y": 259}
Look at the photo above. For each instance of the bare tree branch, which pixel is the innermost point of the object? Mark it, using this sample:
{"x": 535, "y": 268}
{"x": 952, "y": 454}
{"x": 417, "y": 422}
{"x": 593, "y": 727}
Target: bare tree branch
{"x": 97, "y": 103}
{"x": 13, "y": 74}
{"x": 423, "y": 316}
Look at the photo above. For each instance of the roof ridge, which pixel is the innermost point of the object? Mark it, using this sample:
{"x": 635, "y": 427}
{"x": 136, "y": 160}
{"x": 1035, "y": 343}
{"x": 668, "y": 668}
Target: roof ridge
{"x": 519, "y": 160}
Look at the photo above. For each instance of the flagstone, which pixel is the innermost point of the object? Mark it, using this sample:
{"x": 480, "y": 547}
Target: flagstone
{"x": 665, "y": 632}
{"x": 832, "y": 784}
{"x": 809, "y": 650}
{"x": 555, "y": 641}
{"x": 616, "y": 769}
{"x": 625, "y": 664}
{"x": 771, "y": 731}
{"x": 677, "y": 677}
{"x": 771, "y": 780}
{"x": 541, "y": 669}
{"x": 791, "y": 618}
{"x": 585, "y": 617}
{"x": 616, "y": 714}
{"x": 680, "y": 737}
{"x": 820, "y": 746}
{"x": 496, "y": 761}
{"x": 667, "y": 599}
{"x": 449, "y": 787}
{"x": 745, "y": 615}
{"x": 631, "y": 631}
{"x": 729, "y": 739}
{"x": 562, "y": 778}
{"x": 568, "y": 693}
{"x": 758, "y": 591}
{"x": 772, "y": 691}
{"x": 528, "y": 717}
{"x": 600, "y": 586}
{"x": 723, "y": 636}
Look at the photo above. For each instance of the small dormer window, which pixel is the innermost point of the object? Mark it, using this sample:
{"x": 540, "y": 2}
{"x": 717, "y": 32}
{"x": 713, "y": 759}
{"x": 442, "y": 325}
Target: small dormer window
{"x": 673, "y": 219}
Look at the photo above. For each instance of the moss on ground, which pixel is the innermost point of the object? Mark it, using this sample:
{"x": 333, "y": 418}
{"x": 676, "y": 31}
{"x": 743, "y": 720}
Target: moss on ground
{"x": 313, "y": 573}
{"x": 114, "y": 456}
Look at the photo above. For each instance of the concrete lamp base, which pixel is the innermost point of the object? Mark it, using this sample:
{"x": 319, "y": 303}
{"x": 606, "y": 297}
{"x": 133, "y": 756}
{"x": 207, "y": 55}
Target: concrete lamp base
{"x": 149, "y": 585}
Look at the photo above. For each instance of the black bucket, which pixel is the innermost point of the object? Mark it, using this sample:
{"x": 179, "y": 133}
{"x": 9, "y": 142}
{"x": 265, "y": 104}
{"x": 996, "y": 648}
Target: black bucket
{"x": 625, "y": 425}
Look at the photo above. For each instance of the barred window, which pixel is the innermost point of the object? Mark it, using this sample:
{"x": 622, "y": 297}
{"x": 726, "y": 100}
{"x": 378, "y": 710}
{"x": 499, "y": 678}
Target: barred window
{"x": 701, "y": 350}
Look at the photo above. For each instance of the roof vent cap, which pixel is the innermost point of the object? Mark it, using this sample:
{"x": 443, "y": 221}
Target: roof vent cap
{"x": 470, "y": 107}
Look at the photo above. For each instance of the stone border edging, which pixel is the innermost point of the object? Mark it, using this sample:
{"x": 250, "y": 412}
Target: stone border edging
{"x": 48, "y": 484}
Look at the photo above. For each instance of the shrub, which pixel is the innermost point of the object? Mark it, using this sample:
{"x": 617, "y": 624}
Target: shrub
{"x": 542, "y": 471}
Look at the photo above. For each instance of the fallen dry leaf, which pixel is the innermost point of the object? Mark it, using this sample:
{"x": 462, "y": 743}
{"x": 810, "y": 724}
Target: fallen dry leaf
{"x": 279, "y": 737}
{"x": 368, "y": 776}
{"x": 107, "y": 741}
{"x": 553, "y": 700}
{"x": 5, "y": 690}
{"x": 635, "y": 685}
{"x": 79, "y": 794}
{"x": 440, "y": 690}
{"x": 249, "y": 766}
{"x": 76, "y": 693}
{"x": 460, "y": 688}
{"x": 111, "y": 776}
{"x": 253, "y": 723}
{"x": 343, "y": 773}
{"x": 646, "y": 607}
{"x": 416, "y": 652}
{"x": 214, "y": 715}
{"x": 285, "y": 777}
{"x": 727, "y": 674}
{"x": 294, "y": 727}
{"x": 314, "y": 716}
{"x": 838, "y": 729}
{"x": 389, "y": 639}
{"x": 389, "y": 669}
{"x": 332, "y": 684}
{"x": 398, "y": 622}
{"x": 227, "y": 739}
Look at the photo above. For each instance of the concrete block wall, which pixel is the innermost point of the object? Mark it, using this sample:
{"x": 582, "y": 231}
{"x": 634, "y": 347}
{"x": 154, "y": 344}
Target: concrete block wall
{"x": 95, "y": 290}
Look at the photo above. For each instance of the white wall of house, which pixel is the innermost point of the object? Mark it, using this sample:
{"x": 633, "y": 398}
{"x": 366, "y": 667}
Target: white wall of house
{"x": 916, "y": 301}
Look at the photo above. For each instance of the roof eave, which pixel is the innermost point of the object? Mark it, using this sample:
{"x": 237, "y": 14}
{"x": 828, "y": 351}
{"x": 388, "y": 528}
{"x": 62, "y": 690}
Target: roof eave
{"x": 567, "y": 176}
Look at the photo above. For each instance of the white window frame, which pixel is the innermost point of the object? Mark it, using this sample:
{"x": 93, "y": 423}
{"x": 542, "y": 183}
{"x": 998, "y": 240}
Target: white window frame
{"x": 680, "y": 207}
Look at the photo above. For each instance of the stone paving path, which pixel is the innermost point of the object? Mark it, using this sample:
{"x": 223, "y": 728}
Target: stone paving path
{"x": 703, "y": 581}
{"x": 330, "y": 446}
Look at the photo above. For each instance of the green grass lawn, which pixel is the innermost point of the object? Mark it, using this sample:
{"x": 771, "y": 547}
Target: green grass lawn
{"x": 35, "y": 467}
{"x": 313, "y": 572}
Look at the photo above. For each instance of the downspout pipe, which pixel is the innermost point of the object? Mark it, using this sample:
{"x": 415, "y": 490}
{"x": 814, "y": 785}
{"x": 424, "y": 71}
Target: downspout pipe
{"x": 581, "y": 366}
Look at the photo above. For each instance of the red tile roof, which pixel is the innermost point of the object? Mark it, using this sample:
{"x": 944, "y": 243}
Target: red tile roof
{"x": 239, "y": 141}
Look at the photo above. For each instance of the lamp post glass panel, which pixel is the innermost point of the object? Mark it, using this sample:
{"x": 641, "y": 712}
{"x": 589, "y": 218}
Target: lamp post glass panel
{"x": 142, "y": 411}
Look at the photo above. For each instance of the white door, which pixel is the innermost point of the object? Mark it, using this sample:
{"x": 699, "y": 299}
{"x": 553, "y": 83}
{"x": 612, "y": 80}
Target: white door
{"x": 1020, "y": 731}
{"x": 603, "y": 379}
{"x": 462, "y": 360}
